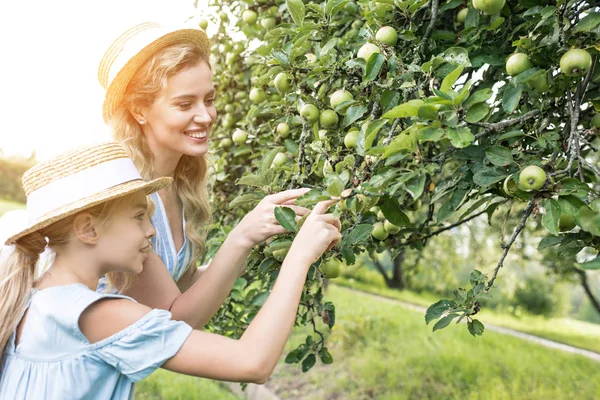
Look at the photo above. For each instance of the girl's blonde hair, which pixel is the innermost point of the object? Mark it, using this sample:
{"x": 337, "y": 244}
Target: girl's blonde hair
{"x": 190, "y": 178}
{"x": 18, "y": 269}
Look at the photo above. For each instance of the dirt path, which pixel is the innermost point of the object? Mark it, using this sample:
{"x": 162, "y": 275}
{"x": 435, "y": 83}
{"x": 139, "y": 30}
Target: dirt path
{"x": 525, "y": 336}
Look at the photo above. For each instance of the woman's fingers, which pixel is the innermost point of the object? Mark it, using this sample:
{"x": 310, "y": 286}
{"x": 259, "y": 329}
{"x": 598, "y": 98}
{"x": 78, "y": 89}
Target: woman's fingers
{"x": 287, "y": 195}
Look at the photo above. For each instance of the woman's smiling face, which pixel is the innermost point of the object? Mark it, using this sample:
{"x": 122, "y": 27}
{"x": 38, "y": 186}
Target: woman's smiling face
{"x": 179, "y": 121}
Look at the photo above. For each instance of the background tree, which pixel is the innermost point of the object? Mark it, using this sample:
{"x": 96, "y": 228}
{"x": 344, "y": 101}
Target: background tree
{"x": 424, "y": 114}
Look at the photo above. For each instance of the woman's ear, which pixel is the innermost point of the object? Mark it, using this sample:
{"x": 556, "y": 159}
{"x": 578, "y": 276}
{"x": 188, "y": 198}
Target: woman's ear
{"x": 138, "y": 113}
{"x": 85, "y": 228}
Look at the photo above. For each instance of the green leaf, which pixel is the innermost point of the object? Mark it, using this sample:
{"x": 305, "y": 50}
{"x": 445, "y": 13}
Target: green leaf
{"x": 360, "y": 233}
{"x": 550, "y": 241}
{"x": 325, "y": 356}
{"x": 588, "y": 220}
{"x": 550, "y": 219}
{"x": 286, "y": 218}
{"x": 511, "y": 98}
{"x": 252, "y": 180}
{"x": 328, "y": 46}
{"x": 371, "y": 132}
{"x": 251, "y": 199}
{"x": 590, "y": 265}
{"x": 260, "y": 299}
{"x": 587, "y": 23}
{"x": 487, "y": 176}
{"x": 352, "y": 114}
{"x": 311, "y": 198}
{"x": 477, "y": 112}
{"x": 309, "y": 362}
{"x": 428, "y": 111}
{"x": 437, "y": 309}
{"x": 336, "y": 187}
{"x": 444, "y": 322}
{"x": 499, "y": 156}
{"x": 472, "y": 19}
{"x": 575, "y": 187}
{"x": 268, "y": 160}
{"x": 374, "y": 65}
{"x": 460, "y": 137}
{"x": 431, "y": 134}
{"x": 451, "y": 79}
{"x": 297, "y": 11}
{"x": 405, "y": 110}
{"x": 479, "y": 96}
{"x": 393, "y": 213}
{"x": 475, "y": 327}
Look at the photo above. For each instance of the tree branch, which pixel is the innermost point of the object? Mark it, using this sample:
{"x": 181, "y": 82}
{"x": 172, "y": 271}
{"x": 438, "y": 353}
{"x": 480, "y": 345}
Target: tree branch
{"x": 588, "y": 291}
{"x": 462, "y": 221}
{"x": 507, "y": 247}
{"x": 435, "y": 5}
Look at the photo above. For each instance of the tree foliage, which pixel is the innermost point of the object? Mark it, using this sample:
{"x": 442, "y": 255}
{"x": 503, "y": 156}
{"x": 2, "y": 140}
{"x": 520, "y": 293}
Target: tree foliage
{"x": 434, "y": 132}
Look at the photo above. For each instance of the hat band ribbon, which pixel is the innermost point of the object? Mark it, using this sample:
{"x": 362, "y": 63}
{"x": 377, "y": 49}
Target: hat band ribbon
{"x": 78, "y": 186}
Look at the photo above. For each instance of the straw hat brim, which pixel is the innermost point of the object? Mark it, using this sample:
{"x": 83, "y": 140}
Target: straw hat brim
{"x": 90, "y": 201}
{"x": 117, "y": 87}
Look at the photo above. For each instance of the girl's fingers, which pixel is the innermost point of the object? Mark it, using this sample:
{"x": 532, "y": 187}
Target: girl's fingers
{"x": 322, "y": 206}
{"x": 287, "y": 195}
{"x": 299, "y": 210}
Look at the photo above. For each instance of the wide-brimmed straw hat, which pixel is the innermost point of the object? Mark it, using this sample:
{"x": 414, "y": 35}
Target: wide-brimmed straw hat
{"x": 78, "y": 180}
{"x": 132, "y": 49}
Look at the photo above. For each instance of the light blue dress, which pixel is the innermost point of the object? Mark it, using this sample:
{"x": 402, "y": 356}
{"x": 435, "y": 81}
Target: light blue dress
{"x": 164, "y": 245}
{"x": 54, "y": 360}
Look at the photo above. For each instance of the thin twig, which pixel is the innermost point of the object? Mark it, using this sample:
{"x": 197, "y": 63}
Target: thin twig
{"x": 507, "y": 247}
{"x": 434, "y": 233}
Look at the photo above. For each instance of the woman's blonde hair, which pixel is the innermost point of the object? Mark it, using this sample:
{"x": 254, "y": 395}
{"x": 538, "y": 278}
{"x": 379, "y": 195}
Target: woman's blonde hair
{"x": 190, "y": 178}
{"x": 18, "y": 269}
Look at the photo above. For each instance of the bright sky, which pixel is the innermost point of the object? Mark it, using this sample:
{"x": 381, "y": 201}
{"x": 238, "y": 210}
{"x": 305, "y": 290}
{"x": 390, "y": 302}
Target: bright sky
{"x": 51, "y": 98}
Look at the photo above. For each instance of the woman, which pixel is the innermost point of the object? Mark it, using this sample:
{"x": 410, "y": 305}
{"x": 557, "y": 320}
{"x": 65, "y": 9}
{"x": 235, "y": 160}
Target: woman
{"x": 160, "y": 105}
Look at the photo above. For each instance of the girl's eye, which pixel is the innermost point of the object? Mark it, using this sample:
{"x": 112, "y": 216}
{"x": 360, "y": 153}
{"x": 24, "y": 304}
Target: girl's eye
{"x": 210, "y": 101}
{"x": 140, "y": 216}
{"x": 184, "y": 106}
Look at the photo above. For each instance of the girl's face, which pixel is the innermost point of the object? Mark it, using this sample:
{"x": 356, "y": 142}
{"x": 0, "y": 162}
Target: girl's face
{"x": 180, "y": 120}
{"x": 124, "y": 241}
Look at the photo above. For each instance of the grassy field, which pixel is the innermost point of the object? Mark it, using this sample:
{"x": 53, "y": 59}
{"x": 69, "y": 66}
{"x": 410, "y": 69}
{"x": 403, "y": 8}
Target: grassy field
{"x": 385, "y": 351}
{"x": 576, "y": 333}
{"x": 166, "y": 385}
{"x": 6, "y": 205}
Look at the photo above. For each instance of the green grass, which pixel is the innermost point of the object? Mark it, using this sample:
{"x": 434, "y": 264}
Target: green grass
{"x": 385, "y": 351}
{"x": 565, "y": 330}
{"x": 7, "y": 205}
{"x": 166, "y": 385}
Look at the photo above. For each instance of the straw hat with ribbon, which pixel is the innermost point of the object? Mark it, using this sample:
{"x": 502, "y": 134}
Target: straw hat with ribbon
{"x": 78, "y": 180}
{"x": 132, "y": 49}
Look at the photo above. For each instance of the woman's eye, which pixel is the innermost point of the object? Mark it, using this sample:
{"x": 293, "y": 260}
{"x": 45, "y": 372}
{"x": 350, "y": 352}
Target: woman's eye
{"x": 140, "y": 216}
{"x": 210, "y": 101}
{"x": 184, "y": 106}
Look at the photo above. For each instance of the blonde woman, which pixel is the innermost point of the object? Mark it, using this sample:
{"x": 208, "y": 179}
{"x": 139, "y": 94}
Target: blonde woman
{"x": 160, "y": 105}
{"x": 61, "y": 339}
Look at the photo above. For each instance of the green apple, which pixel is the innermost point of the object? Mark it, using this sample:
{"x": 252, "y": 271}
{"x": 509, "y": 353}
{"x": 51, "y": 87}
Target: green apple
{"x": 322, "y": 134}
{"x": 280, "y": 159}
{"x": 257, "y": 95}
{"x": 566, "y": 223}
{"x": 310, "y": 113}
{"x": 250, "y": 17}
{"x": 223, "y": 16}
{"x": 387, "y": 35}
{"x": 239, "y": 136}
{"x": 225, "y": 143}
{"x": 203, "y": 23}
{"x": 575, "y": 62}
{"x": 268, "y": 23}
{"x": 280, "y": 254}
{"x": 229, "y": 108}
{"x": 390, "y": 228}
{"x": 328, "y": 118}
{"x": 367, "y": 50}
{"x": 332, "y": 268}
{"x": 283, "y": 82}
{"x": 283, "y": 129}
{"x": 310, "y": 57}
{"x": 540, "y": 83}
{"x": 461, "y": 16}
{"x": 490, "y": 7}
{"x": 379, "y": 231}
{"x": 517, "y": 63}
{"x": 338, "y": 97}
{"x": 351, "y": 138}
{"x": 531, "y": 178}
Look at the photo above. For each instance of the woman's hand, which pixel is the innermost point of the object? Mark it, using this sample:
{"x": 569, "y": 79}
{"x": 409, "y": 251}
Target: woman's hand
{"x": 319, "y": 233}
{"x": 260, "y": 223}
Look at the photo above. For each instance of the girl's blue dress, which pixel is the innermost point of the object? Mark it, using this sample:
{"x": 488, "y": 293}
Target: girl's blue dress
{"x": 54, "y": 360}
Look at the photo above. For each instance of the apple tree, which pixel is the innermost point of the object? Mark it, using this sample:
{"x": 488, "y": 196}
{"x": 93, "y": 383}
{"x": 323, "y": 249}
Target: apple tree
{"x": 421, "y": 115}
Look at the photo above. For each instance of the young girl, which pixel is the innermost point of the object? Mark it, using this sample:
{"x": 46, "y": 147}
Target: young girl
{"x": 160, "y": 104}
{"x": 60, "y": 339}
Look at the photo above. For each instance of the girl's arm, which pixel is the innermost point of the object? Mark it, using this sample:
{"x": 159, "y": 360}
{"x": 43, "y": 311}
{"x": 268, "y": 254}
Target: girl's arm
{"x": 253, "y": 357}
{"x": 207, "y": 293}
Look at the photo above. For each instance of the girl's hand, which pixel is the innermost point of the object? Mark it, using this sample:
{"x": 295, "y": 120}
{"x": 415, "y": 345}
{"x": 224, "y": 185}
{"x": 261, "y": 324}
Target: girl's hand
{"x": 260, "y": 223}
{"x": 320, "y": 232}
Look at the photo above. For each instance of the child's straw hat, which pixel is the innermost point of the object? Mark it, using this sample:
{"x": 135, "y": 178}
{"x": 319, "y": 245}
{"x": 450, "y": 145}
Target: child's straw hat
{"x": 77, "y": 180}
{"x": 132, "y": 49}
